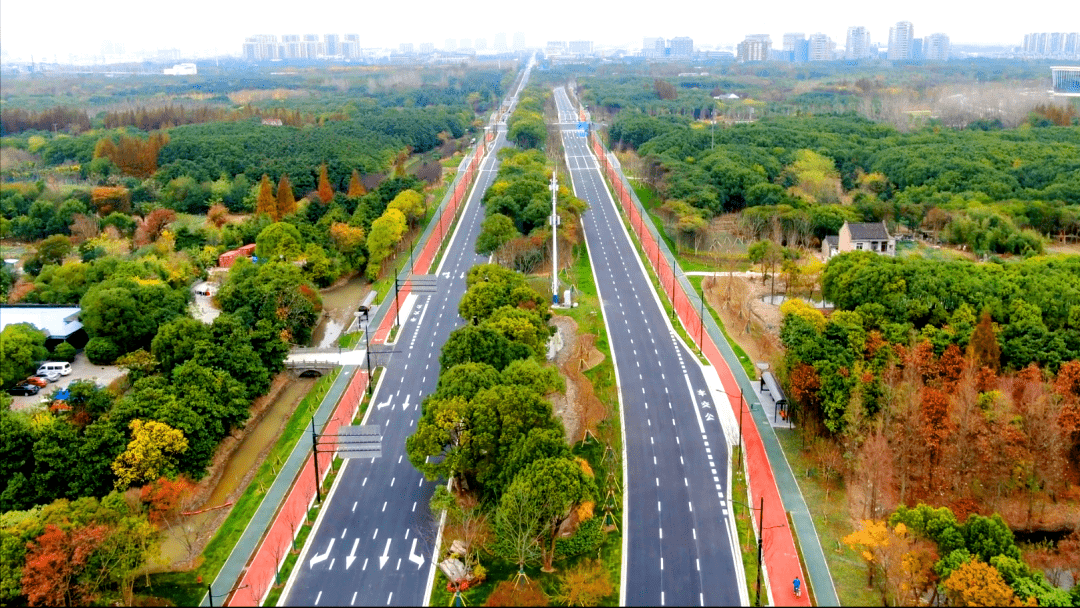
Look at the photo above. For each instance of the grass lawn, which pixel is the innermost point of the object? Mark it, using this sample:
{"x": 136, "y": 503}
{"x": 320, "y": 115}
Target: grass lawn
{"x": 187, "y": 588}
{"x": 833, "y": 523}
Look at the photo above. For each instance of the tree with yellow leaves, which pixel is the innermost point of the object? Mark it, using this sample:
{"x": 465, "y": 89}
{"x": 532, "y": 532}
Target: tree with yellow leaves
{"x": 286, "y": 202}
{"x": 410, "y": 203}
{"x": 904, "y": 561}
{"x": 976, "y": 583}
{"x": 586, "y": 584}
{"x": 152, "y": 453}
{"x": 356, "y": 185}
{"x": 326, "y": 193}
{"x": 266, "y": 203}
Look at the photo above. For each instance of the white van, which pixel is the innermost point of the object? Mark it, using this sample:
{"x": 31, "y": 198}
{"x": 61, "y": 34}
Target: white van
{"x": 61, "y": 367}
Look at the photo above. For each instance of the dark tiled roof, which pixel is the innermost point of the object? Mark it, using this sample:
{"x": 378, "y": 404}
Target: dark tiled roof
{"x": 868, "y": 232}
{"x": 833, "y": 240}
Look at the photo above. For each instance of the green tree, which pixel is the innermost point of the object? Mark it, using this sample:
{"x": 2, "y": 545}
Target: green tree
{"x": 480, "y": 344}
{"x": 21, "y": 347}
{"x": 557, "y": 485}
{"x": 495, "y": 231}
{"x": 279, "y": 241}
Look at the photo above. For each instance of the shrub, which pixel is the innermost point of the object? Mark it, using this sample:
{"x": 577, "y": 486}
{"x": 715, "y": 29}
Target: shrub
{"x": 588, "y": 537}
{"x": 101, "y": 351}
{"x": 64, "y": 352}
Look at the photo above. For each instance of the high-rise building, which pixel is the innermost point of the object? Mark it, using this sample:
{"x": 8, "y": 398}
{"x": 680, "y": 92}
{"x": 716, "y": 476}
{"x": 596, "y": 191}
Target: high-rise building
{"x": 519, "y": 41}
{"x": 405, "y": 48}
{"x": 858, "y": 43}
{"x": 350, "y": 47}
{"x": 481, "y": 44}
{"x": 1052, "y": 44}
{"x": 261, "y": 47}
{"x": 555, "y": 47}
{"x": 755, "y": 47}
{"x": 332, "y": 44}
{"x": 581, "y": 47}
{"x": 500, "y": 42}
{"x": 795, "y": 47}
{"x": 653, "y": 47}
{"x": 464, "y": 44}
{"x": 682, "y": 46}
{"x": 427, "y": 48}
{"x": 450, "y": 45}
{"x": 936, "y": 47}
{"x": 821, "y": 47}
{"x": 312, "y": 48}
{"x": 901, "y": 40}
{"x": 291, "y": 47}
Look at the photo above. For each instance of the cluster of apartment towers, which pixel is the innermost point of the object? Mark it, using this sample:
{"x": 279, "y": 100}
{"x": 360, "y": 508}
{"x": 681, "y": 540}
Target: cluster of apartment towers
{"x": 268, "y": 47}
{"x": 903, "y": 46}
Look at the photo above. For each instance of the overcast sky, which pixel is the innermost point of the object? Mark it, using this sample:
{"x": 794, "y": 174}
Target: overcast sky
{"x": 61, "y": 27}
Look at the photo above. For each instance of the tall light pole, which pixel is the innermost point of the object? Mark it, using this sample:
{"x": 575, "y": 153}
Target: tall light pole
{"x": 554, "y": 239}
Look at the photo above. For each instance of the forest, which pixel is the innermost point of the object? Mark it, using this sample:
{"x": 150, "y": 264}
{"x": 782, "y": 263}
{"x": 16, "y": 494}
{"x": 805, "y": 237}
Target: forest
{"x": 121, "y": 213}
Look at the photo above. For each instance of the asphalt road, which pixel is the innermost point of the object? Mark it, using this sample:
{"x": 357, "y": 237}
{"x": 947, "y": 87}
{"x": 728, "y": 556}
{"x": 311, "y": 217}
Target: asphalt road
{"x": 373, "y": 542}
{"x": 679, "y": 549}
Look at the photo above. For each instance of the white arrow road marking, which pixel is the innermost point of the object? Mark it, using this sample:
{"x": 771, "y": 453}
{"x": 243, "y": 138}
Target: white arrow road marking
{"x": 322, "y": 556}
{"x": 383, "y": 404}
{"x": 413, "y": 557}
{"x": 351, "y": 557}
{"x": 385, "y": 554}
{"x": 405, "y": 406}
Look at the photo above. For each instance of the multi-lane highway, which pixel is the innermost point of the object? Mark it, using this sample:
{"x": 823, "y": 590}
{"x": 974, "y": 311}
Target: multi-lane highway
{"x": 372, "y": 543}
{"x": 679, "y": 543}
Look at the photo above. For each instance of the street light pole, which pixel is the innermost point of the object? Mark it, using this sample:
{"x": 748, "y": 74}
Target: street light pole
{"x": 315, "y": 457}
{"x": 367, "y": 353}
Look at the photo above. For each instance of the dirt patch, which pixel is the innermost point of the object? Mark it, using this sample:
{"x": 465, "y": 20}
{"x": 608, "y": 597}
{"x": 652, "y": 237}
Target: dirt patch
{"x": 753, "y": 324}
{"x": 579, "y": 409}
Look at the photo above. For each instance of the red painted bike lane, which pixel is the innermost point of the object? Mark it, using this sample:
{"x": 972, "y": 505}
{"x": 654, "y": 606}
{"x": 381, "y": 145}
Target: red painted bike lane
{"x": 778, "y": 545}
{"x": 260, "y": 575}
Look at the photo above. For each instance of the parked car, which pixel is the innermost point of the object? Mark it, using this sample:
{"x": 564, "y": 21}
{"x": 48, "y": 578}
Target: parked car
{"x": 61, "y": 367}
{"x": 50, "y": 376}
{"x": 40, "y": 382}
{"x": 23, "y": 390}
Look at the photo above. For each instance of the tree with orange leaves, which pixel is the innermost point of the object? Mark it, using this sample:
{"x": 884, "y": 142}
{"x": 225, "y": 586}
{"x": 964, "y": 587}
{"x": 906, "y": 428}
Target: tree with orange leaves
{"x": 326, "y": 193}
{"x": 55, "y": 562}
{"x": 266, "y": 203}
{"x": 286, "y": 202}
{"x": 983, "y": 348}
{"x": 976, "y": 583}
{"x": 356, "y": 185}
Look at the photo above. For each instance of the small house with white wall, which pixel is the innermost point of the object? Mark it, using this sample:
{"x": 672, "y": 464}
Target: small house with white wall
{"x": 872, "y": 236}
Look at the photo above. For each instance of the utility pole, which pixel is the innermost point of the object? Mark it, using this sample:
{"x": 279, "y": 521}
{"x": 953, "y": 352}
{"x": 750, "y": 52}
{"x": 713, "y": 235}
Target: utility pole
{"x": 760, "y": 541}
{"x": 742, "y": 406}
{"x": 315, "y": 456}
{"x": 554, "y": 239}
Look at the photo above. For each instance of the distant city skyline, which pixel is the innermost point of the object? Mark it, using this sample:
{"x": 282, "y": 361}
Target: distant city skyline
{"x": 203, "y": 28}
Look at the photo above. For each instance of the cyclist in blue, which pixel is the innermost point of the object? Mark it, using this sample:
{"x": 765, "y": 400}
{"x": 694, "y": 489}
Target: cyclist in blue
{"x": 798, "y": 585}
